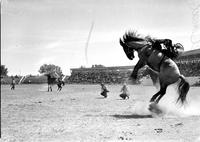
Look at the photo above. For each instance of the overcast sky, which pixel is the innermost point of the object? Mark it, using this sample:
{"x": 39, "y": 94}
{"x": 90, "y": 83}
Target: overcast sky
{"x": 34, "y": 32}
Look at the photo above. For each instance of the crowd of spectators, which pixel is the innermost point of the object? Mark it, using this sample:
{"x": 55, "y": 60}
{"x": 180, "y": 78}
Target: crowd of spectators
{"x": 105, "y": 76}
{"x": 191, "y": 68}
{"x": 187, "y": 68}
{"x": 98, "y": 76}
{"x": 190, "y": 58}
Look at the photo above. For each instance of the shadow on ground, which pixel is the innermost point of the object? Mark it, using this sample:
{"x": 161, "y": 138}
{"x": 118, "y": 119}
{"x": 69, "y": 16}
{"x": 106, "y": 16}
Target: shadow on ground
{"x": 100, "y": 98}
{"x": 120, "y": 116}
{"x": 133, "y": 116}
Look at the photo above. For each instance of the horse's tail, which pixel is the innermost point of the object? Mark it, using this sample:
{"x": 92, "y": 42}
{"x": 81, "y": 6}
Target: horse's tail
{"x": 183, "y": 88}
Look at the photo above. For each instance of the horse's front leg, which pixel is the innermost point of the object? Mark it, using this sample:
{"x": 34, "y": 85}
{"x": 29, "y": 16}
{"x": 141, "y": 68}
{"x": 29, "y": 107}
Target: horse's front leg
{"x": 139, "y": 65}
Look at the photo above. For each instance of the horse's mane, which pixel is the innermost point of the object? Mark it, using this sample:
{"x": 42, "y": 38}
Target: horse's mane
{"x": 132, "y": 36}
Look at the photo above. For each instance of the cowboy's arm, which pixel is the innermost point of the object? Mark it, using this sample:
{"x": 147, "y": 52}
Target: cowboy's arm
{"x": 139, "y": 65}
{"x": 167, "y": 42}
{"x": 160, "y": 40}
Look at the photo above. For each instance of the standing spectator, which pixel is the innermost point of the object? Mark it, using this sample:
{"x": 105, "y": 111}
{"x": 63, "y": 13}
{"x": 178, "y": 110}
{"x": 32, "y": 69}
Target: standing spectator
{"x": 12, "y": 85}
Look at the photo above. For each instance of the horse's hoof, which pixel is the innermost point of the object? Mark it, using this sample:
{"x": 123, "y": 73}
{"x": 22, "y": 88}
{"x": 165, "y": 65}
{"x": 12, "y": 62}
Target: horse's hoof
{"x": 151, "y": 106}
{"x": 154, "y": 108}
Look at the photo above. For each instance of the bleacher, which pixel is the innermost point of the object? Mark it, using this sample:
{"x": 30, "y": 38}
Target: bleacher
{"x": 188, "y": 63}
{"x": 99, "y": 74}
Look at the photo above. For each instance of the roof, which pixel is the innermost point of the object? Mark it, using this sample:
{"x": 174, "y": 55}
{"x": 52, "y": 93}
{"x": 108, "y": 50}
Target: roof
{"x": 191, "y": 52}
{"x": 105, "y": 68}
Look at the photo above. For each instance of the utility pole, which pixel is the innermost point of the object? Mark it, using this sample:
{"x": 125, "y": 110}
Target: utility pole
{"x": 87, "y": 42}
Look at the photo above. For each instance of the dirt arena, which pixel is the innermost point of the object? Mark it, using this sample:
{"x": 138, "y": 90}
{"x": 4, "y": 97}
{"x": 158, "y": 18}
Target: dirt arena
{"x": 79, "y": 113}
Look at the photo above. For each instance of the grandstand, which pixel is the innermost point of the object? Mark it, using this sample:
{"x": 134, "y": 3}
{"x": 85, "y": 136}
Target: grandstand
{"x": 115, "y": 68}
{"x": 188, "y": 63}
{"x": 115, "y": 74}
{"x": 190, "y": 56}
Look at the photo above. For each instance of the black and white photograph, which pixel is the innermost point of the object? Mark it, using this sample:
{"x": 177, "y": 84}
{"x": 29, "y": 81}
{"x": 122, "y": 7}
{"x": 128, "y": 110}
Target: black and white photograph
{"x": 100, "y": 71}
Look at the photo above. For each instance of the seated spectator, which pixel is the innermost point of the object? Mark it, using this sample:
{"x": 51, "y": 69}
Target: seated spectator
{"x": 104, "y": 90}
{"x": 125, "y": 92}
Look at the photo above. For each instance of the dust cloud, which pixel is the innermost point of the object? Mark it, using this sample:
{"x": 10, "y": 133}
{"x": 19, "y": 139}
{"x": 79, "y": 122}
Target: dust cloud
{"x": 169, "y": 106}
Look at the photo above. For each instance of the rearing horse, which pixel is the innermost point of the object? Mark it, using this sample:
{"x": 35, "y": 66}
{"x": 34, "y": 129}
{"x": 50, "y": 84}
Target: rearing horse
{"x": 166, "y": 69}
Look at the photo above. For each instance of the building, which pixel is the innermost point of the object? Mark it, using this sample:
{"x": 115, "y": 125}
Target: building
{"x": 188, "y": 63}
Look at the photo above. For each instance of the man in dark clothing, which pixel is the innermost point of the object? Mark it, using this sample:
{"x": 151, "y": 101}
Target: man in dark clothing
{"x": 12, "y": 85}
{"x": 60, "y": 83}
{"x": 104, "y": 90}
{"x": 168, "y": 49}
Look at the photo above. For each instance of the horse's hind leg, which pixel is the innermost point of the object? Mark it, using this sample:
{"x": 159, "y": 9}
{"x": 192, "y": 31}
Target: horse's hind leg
{"x": 163, "y": 91}
{"x": 155, "y": 96}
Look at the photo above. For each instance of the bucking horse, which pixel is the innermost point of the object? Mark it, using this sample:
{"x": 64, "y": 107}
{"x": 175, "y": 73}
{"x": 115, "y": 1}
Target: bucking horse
{"x": 162, "y": 66}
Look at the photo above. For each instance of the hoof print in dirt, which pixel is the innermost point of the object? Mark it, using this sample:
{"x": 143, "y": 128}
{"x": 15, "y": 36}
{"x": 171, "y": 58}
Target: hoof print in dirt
{"x": 159, "y": 130}
{"x": 177, "y": 125}
{"x": 39, "y": 102}
{"x": 121, "y": 138}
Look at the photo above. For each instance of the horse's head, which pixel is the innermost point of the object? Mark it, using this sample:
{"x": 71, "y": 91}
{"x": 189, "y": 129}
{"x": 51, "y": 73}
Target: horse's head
{"x": 129, "y": 52}
{"x": 131, "y": 41}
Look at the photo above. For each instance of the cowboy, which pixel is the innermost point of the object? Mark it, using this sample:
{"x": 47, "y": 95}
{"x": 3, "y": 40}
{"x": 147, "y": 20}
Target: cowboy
{"x": 166, "y": 47}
